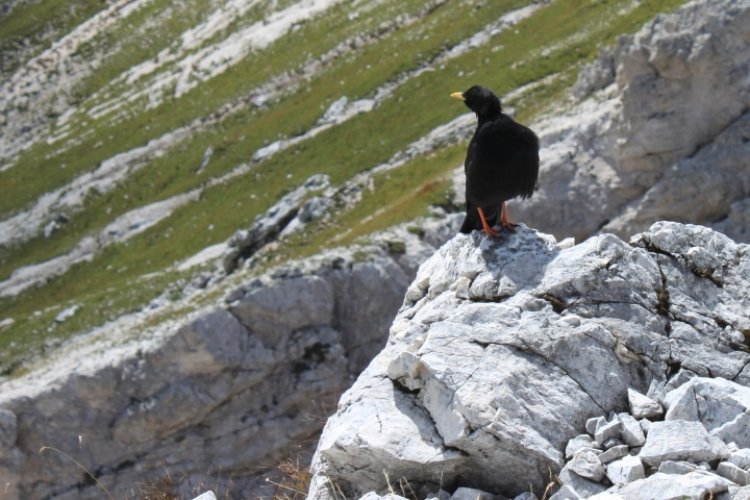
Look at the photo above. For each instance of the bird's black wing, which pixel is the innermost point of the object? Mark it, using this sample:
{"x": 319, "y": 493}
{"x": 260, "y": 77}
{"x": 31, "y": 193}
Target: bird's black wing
{"x": 508, "y": 153}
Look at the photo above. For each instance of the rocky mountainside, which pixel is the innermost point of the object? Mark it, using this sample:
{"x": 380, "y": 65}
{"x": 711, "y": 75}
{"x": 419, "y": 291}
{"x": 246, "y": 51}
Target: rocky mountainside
{"x": 160, "y": 162}
{"x": 662, "y": 132}
{"x": 137, "y": 137}
{"x": 215, "y": 399}
{"x": 506, "y": 352}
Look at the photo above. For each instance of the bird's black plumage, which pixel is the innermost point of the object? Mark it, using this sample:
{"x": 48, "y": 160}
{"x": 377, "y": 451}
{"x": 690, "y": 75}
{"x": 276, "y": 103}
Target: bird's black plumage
{"x": 502, "y": 161}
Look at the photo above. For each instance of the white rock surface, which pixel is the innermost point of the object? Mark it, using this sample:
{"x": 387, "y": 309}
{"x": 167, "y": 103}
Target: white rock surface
{"x": 741, "y": 458}
{"x": 615, "y": 162}
{"x": 587, "y": 465}
{"x": 691, "y": 486}
{"x": 625, "y": 470}
{"x": 613, "y": 453}
{"x": 631, "y": 432}
{"x": 678, "y": 440}
{"x": 734, "y": 473}
{"x": 722, "y": 406}
{"x": 514, "y": 343}
{"x": 642, "y": 406}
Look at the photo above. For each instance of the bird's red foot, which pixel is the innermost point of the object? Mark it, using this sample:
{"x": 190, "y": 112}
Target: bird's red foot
{"x": 485, "y": 226}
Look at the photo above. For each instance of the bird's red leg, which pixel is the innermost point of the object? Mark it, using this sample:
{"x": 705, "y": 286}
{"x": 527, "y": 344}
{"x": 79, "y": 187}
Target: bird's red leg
{"x": 486, "y": 227}
{"x": 505, "y": 223}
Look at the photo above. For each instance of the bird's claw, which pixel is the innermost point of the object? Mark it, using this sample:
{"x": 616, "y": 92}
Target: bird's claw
{"x": 509, "y": 226}
{"x": 490, "y": 231}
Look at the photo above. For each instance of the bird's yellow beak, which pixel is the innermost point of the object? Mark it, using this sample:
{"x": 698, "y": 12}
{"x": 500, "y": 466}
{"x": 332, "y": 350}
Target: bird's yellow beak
{"x": 458, "y": 95}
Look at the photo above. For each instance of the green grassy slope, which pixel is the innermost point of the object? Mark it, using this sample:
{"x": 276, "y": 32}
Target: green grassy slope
{"x": 554, "y": 41}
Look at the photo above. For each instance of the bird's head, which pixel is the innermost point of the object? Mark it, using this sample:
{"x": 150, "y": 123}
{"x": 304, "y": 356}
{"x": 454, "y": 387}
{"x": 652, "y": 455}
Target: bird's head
{"x": 480, "y": 100}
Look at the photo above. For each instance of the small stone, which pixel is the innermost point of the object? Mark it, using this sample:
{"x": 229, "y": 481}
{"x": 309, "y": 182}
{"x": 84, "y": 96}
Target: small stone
{"x": 673, "y": 467}
{"x": 566, "y": 492}
{"x": 209, "y": 495}
{"x": 635, "y": 451}
{"x": 642, "y": 406}
{"x": 611, "y": 443}
{"x": 741, "y": 458}
{"x": 593, "y": 424}
{"x": 631, "y": 431}
{"x": 678, "y": 440}
{"x": 464, "y": 493}
{"x": 587, "y": 465}
{"x": 625, "y": 470}
{"x": 613, "y": 453}
{"x": 526, "y": 495}
{"x": 607, "y": 431}
{"x": 733, "y": 473}
{"x": 581, "y": 486}
{"x": 67, "y": 313}
{"x": 579, "y": 442}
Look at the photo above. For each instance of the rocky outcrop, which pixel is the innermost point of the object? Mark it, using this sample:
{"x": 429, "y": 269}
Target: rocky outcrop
{"x": 666, "y": 138}
{"x": 507, "y": 349}
{"x": 217, "y": 398}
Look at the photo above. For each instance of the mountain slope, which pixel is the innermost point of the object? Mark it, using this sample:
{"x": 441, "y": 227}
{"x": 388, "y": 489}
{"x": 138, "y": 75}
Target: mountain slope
{"x": 141, "y": 133}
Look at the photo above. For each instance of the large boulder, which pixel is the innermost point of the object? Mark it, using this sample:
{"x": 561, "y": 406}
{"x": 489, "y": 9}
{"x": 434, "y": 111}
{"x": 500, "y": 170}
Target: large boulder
{"x": 505, "y": 348}
{"x": 665, "y": 138}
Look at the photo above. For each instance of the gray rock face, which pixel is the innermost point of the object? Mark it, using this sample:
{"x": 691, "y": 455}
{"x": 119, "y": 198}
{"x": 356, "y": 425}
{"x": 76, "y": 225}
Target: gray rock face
{"x": 720, "y": 405}
{"x": 513, "y": 344}
{"x": 691, "y": 486}
{"x": 615, "y": 161}
{"x": 239, "y": 386}
{"x": 677, "y": 440}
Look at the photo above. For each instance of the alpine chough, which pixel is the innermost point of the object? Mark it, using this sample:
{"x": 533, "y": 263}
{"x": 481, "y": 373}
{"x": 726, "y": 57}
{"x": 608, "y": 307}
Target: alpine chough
{"x": 502, "y": 162}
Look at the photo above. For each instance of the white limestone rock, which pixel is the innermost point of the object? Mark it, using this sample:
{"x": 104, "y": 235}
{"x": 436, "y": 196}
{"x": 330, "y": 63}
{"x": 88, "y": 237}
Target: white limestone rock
{"x": 678, "y": 440}
{"x": 593, "y": 424}
{"x": 587, "y": 465}
{"x": 733, "y": 473}
{"x": 464, "y": 493}
{"x": 374, "y": 496}
{"x": 615, "y": 161}
{"x": 613, "y": 454}
{"x": 580, "y": 485}
{"x": 741, "y": 458}
{"x": 625, "y": 470}
{"x": 739, "y": 492}
{"x": 631, "y": 432}
{"x": 722, "y": 406}
{"x": 578, "y": 443}
{"x": 580, "y": 325}
{"x": 677, "y": 467}
{"x": 607, "y": 431}
{"x": 642, "y": 406}
{"x": 566, "y": 492}
{"x": 691, "y": 486}
{"x": 209, "y": 495}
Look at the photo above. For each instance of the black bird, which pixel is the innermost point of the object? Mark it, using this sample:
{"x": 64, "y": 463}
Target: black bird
{"x": 502, "y": 162}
